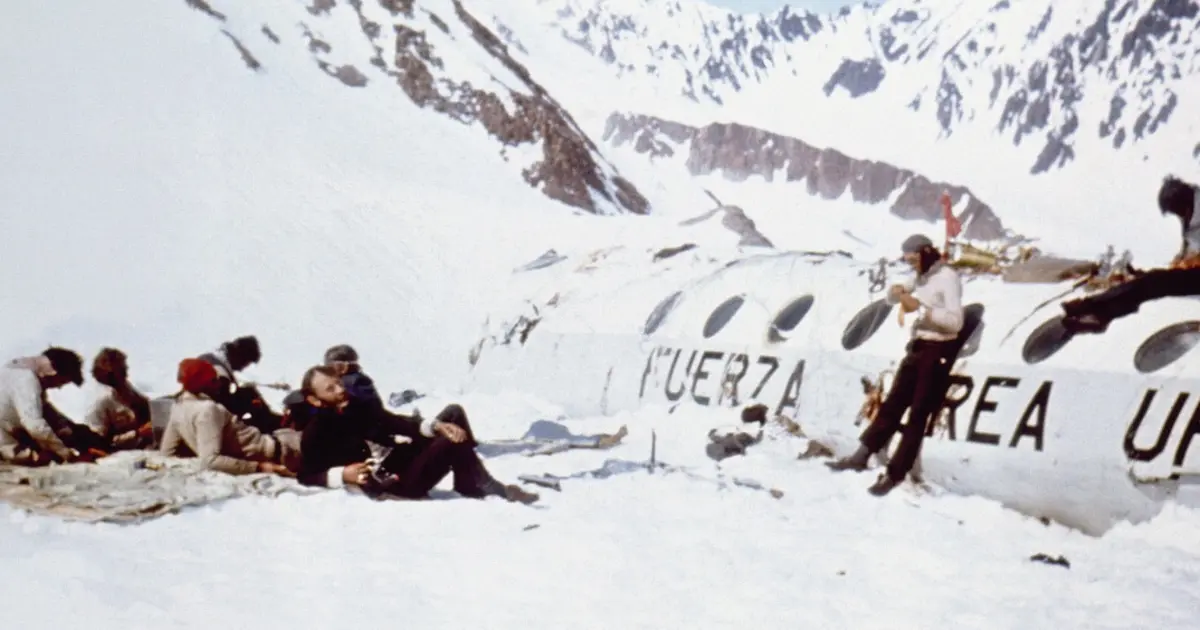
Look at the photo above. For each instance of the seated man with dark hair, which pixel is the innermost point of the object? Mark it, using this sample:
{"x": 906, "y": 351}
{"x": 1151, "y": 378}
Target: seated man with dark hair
{"x": 1182, "y": 278}
{"x": 343, "y": 359}
{"x": 334, "y": 449}
{"x": 243, "y": 400}
{"x": 32, "y": 431}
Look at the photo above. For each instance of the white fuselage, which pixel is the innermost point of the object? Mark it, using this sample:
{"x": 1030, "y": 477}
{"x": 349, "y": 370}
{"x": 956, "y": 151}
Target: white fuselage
{"x": 1082, "y": 437}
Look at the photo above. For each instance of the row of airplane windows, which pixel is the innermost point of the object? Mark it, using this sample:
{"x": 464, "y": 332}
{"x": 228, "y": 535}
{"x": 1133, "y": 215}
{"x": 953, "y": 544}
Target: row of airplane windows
{"x": 1159, "y": 350}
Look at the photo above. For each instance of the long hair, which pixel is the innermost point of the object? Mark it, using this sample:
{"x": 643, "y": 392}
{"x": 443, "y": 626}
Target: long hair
{"x": 929, "y": 257}
{"x": 1177, "y": 197}
{"x": 110, "y": 367}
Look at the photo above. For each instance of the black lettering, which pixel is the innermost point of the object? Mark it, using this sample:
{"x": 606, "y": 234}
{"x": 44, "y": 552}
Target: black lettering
{"x": 765, "y": 360}
{"x": 1193, "y": 428}
{"x": 951, "y": 404}
{"x": 674, "y": 396}
{"x": 983, "y": 405}
{"x": 1164, "y": 434}
{"x": 791, "y": 391}
{"x": 700, "y": 375}
{"x": 730, "y": 382}
{"x": 1037, "y": 430}
{"x": 646, "y": 372}
{"x": 670, "y": 373}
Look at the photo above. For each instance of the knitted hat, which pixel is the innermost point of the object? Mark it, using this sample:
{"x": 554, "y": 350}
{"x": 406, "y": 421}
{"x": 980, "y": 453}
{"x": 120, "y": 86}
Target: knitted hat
{"x": 342, "y": 352}
{"x": 197, "y": 375}
{"x": 915, "y": 243}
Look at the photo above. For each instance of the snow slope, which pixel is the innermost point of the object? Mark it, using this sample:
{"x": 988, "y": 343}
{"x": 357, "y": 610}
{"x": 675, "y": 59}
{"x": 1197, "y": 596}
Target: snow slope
{"x": 159, "y": 196}
{"x": 633, "y": 550}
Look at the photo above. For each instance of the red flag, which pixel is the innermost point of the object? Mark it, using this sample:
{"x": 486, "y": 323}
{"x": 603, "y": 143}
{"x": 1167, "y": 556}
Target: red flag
{"x": 953, "y": 225}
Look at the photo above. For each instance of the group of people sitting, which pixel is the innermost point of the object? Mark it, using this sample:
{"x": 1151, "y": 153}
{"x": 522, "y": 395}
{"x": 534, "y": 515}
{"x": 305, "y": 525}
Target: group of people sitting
{"x": 335, "y": 431}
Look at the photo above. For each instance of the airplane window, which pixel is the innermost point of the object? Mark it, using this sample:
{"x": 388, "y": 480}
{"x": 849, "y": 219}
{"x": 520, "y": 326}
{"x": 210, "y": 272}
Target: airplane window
{"x": 722, "y": 314}
{"x": 788, "y": 318}
{"x": 1166, "y": 346}
{"x": 865, "y": 324}
{"x": 1045, "y": 341}
{"x": 660, "y": 312}
{"x": 972, "y": 330}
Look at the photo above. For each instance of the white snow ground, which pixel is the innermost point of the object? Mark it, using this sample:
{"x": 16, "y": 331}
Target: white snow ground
{"x": 635, "y": 550}
{"x": 163, "y": 220}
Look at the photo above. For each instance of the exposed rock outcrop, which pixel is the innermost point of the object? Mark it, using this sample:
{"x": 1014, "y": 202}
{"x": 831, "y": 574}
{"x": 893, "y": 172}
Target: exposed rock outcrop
{"x": 410, "y": 38}
{"x": 739, "y": 151}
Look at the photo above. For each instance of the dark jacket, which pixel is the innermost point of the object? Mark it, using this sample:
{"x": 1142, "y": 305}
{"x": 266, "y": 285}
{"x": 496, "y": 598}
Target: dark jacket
{"x": 360, "y": 386}
{"x": 298, "y": 413}
{"x": 332, "y": 440}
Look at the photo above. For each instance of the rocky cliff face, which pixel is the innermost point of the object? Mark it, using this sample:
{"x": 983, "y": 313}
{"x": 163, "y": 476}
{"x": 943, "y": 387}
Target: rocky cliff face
{"x": 1054, "y": 75}
{"x": 738, "y": 151}
{"x": 447, "y": 61}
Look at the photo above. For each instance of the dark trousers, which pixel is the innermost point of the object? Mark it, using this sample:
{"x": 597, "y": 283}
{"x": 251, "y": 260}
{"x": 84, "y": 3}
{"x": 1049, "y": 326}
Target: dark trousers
{"x": 73, "y": 434}
{"x": 423, "y": 464}
{"x": 920, "y": 387}
{"x": 1125, "y": 299}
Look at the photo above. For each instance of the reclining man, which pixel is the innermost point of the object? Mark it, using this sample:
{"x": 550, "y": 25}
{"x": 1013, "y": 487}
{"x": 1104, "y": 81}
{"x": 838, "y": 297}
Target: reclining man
{"x": 244, "y": 401}
{"x": 335, "y": 452}
{"x": 342, "y": 359}
{"x": 923, "y": 377}
{"x": 200, "y": 427}
{"x": 1093, "y": 314}
{"x": 28, "y": 422}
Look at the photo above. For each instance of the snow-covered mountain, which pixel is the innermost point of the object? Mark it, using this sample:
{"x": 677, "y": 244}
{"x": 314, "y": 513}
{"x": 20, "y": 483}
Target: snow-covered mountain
{"x": 313, "y": 172}
{"x": 1049, "y": 80}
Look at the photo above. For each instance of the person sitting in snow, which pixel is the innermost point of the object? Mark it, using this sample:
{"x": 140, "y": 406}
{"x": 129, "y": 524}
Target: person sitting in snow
{"x": 1182, "y": 278}
{"x": 243, "y": 400}
{"x": 200, "y": 427}
{"x": 923, "y": 376}
{"x": 119, "y": 413}
{"x": 335, "y": 446}
{"x": 342, "y": 359}
{"x": 27, "y": 435}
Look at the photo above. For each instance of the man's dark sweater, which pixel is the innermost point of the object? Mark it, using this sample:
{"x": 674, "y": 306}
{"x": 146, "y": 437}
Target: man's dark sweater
{"x": 333, "y": 440}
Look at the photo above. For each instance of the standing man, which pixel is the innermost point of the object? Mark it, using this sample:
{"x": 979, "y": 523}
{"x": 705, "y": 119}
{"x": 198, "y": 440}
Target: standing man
{"x": 924, "y": 374}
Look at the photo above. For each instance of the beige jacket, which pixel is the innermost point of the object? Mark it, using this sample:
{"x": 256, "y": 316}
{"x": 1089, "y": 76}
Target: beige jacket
{"x": 199, "y": 427}
{"x": 21, "y": 417}
{"x": 109, "y": 415}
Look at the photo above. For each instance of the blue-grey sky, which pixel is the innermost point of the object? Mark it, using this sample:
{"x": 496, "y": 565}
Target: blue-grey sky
{"x": 816, "y": 6}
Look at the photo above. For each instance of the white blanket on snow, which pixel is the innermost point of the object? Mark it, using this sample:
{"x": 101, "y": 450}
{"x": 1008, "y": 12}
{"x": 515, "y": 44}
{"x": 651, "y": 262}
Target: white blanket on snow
{"x": 130, "y": 486}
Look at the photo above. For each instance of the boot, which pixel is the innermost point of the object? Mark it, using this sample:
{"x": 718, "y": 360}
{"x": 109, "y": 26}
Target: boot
{"x": 517, "y": 494}
{"x": 856, "y": 462}
{"x": 883, "y": 485}
{"x": 510, "y": 492}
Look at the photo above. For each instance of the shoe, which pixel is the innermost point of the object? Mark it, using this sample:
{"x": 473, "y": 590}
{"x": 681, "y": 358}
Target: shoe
{"x": 517, "y": 494}
{"x": 883, "y": 485}
{"x": 856, "y": 462}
